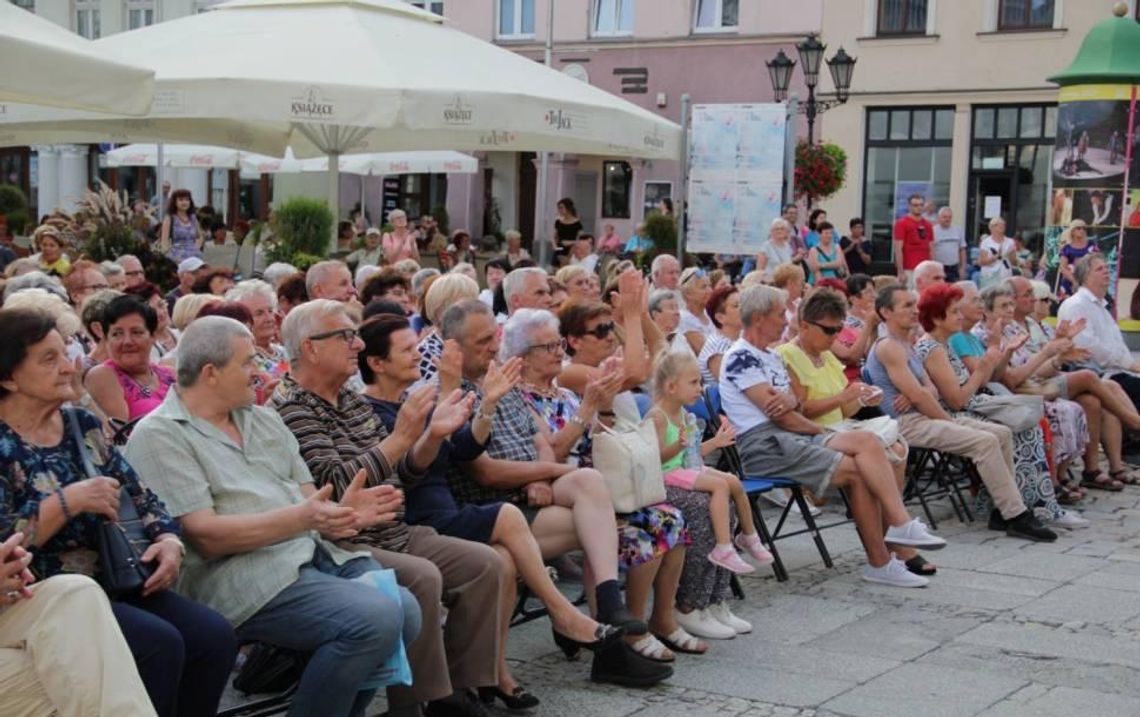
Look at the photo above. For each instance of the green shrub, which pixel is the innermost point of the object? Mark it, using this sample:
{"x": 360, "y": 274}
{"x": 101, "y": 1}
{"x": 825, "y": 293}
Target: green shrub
{"x": 303, "y": 226}
{"x": 14, "y": 206}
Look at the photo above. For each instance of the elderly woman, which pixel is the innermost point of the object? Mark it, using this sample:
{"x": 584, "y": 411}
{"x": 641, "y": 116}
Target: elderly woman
{"x": 400, "y": 243}
{"x": 777, "y": 250}
{"x": 515, "y": 252}
{"x": 129, "y": 385}
{"x": 652, "y": 540}
{"x": 389, "y": 367}
{"x": 48, "y": 244}
{"x": 260, "y": 300}
{"x": 723, "y": 309}
{"x": 165, "y": 335}
{"x": 860, "y": 326}
{"x": 371, "y": 254}
{"x": 184, "y": 651}
{"x": 576, "y": 279}
{"x": 959, "y": 391}
{"x": 445, "y": 291}
{"x": 695, "y": 324}
{"x": 1037, "y": 370}
{"x": 997, "y": 253}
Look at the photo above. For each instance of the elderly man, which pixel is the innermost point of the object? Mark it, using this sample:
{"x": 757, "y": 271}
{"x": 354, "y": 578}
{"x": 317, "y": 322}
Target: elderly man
{"x": 189, "y": 271}
{"x": 132, "y": 269}
{"x": 526, "y": 288}
{"x": 1108, "y": 354}
{"x": 911, "y": 398}
{"x": 665, "y": 272}
{"x": 582, "y": 253}
{"x": 519, "y": 467}
{"x": 949, "y": 246}
{"x": 926, "y": 274}
{"x": 330, "y": 280}
{"x": 339, "y": 435}
{"x": 83, "y": 281}
{"x": 259, "y": 533}
{"x": 774, "y": 438}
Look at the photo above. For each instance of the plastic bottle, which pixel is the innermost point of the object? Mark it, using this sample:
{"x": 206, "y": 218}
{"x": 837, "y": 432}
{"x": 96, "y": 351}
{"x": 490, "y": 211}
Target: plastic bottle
{"x": 695, "y": 431}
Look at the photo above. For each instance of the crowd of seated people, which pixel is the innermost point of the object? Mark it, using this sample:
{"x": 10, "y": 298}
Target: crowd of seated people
{"x": 290, "y": 442}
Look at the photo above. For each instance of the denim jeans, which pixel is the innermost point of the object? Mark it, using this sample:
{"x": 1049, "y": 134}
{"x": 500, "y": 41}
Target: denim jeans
{"x": 350, "y": 628}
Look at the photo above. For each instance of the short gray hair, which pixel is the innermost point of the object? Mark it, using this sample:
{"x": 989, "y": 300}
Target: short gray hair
{"x": 518, "y": 329}
{"x": 321, "y": 271}
{"x": 277, "y": 271}
{"x": 514, "y": 281}
{"x": 1082, "y": 269}
{"x": 990, "y": 294}
{"x": 250, "y": 288}
{"x": 660, "y": 296}
{"x": 421, "y": 277}
{"x": 760, "y": 300}
{"x": 454, "y": 321}
{"x": 124, "y": 258}
{"x": 945, "y": 209}
{"x": 779, "y": 222}
{"x": 207, "y": 341}
{"x": 110, "y": 268}
{"x": 966, "y": 286}
{"x": 660, "y": 262}
{"x": 50, "y": 303}
{"x": 301, "y": 323}
{"x": 407, "y": 266}
{"x": 34, "y": 280}
{"x": 925, "y": 267}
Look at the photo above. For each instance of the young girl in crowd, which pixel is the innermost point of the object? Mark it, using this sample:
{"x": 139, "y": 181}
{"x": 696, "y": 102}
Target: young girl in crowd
{"x": 676, "y": 384}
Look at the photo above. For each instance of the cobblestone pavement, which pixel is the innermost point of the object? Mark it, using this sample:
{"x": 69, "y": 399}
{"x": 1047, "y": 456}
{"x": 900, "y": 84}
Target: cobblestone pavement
{"x": 1006, "y": 629}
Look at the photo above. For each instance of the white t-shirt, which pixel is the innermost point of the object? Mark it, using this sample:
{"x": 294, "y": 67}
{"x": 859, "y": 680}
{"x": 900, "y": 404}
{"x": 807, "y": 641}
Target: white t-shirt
{"x": 743, "y": 367}
{"x": 999, "y": 269}
{"x": 588, "y": 262}
{"x": 692, "y": 322}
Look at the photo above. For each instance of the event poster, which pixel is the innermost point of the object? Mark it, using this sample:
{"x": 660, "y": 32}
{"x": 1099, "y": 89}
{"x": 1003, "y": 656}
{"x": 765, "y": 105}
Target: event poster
{"x": 1094, "y": 156}
{"x": 736, "y": 176}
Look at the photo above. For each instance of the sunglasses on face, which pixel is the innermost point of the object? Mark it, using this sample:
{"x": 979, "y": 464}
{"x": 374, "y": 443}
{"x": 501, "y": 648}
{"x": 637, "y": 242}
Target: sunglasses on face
{"x": 829, "y": 330}
{"x": 694, "y": 274}
{"x": 600, "y": 331}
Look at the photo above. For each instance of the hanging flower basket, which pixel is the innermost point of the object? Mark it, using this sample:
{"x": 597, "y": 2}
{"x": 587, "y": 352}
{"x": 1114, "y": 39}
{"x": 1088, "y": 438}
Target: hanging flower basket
{"x": 821, "y": 170}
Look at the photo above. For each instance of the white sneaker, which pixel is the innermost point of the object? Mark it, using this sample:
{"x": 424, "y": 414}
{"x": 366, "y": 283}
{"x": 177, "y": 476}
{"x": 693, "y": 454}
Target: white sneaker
{"x": 1070, "y": 520}
{"x": 722, "y": 614}
{"x": 914, "y": 534}
{"x": 894, "y": 573}
{"x": 702, "y": 624}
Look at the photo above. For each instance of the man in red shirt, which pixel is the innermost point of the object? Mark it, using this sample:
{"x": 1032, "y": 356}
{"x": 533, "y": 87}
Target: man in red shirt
{"x": 913, "y": 237}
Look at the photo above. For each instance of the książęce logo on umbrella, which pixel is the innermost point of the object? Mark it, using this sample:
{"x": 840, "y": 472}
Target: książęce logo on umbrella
{"x": 313, "y": 104}
{"x": 458, "y": 112}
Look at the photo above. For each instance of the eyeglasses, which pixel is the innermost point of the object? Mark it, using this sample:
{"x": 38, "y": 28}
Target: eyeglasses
{"x": 600, "y": 331}
{"x": 552, "y": 348}
{"x": 346, "y": 335}
{"x": 137, "y": 272}
{"x": 829, "y": 330}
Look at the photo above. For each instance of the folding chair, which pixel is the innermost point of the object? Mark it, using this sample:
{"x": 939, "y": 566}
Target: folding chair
{"x": 930, "y": 477}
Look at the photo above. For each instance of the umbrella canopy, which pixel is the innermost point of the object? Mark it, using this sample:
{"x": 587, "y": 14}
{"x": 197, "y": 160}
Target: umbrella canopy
{"x": 208, "y": 157}
{"x": 45, "y": 64}
{"x": 175, "y": 155}
{"x": 339, "y": 76}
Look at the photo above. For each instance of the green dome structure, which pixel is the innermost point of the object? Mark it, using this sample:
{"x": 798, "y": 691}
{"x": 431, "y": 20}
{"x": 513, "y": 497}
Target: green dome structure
{"x": 1110, "y": 53}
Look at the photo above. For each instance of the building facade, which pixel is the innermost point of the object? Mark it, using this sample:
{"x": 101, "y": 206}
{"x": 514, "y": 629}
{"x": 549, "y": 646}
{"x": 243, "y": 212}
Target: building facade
{"x": 950, "y": 99}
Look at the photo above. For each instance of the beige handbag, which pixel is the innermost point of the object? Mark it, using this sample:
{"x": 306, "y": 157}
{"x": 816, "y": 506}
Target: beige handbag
{"x": 629, "y": 460}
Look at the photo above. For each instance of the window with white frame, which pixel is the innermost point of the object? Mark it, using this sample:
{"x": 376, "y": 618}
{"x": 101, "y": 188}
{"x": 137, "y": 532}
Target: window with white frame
{"x": 516, "y": 18}
{"x": 29, "y": 5}
{"x": 716, "y": 15}
{"x": 435, "y": 6}
{"x": 613, "y": 17}
{"x": 1025, "y": 15}
{"x": 87, "y": 21}
{"x": 140, "y": 13}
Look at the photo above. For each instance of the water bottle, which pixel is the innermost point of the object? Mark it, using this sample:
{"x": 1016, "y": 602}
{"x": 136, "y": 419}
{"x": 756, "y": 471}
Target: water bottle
{"x": 695, "y": 431}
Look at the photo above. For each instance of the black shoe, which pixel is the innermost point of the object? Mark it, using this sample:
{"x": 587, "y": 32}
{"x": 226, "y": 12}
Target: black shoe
{"x": 1027, "y": 526}
{"x": 618, "y": 664}
{"x": 604, "y": 635}
{"x": 996, "y": 521}
{"x": 466, "y": 705}
{"x": 624, "y": 619}
{"x": 519, "y": 699}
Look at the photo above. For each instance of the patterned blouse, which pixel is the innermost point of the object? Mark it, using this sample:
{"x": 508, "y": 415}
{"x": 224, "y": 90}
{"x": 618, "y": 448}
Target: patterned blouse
{"x": 556, "y": 411}
{"x": 925, "y": 347}
{"x": 30, "y": 474}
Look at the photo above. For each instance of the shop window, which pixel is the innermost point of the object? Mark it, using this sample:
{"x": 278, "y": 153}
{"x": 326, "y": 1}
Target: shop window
{"x": 617, "y": 188}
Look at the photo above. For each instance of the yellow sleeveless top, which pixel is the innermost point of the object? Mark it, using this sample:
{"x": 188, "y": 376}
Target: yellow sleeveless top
{"x": 820, "y": 381}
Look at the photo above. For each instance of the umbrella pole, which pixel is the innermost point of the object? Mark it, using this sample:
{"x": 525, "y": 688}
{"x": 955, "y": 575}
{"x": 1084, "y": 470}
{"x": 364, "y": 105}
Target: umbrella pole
{"x": 159, "y": 177}
{"x": 334, "y": 196}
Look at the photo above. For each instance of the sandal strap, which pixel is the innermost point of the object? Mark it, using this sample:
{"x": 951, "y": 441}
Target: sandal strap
{"x": 681, "y": 638}
{"x": 650, "y": 647}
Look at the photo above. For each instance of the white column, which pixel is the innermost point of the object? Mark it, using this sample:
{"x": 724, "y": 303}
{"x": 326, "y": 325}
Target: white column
{"x": 72, "y": 175}
{"x": 47, "y": 180}
{"x": 196, "y": 180}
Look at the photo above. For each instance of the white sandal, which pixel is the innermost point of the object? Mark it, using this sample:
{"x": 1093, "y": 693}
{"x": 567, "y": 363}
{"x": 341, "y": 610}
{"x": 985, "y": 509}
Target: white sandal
{"x": 651, "y": 648}
{"x": 681, "y": 641}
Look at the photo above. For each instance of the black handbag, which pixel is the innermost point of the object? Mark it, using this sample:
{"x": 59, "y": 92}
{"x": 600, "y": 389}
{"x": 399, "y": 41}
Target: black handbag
{"x": 122, "y": 573}
{"x": 268, "y": 668}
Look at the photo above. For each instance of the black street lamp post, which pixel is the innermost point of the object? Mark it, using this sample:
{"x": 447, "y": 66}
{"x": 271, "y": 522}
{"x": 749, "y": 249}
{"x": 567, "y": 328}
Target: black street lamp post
{"x": 841, "y": 65}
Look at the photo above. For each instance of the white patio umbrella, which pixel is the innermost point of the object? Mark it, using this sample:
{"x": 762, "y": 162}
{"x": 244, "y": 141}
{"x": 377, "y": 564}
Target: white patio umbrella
{"x": 45, "y": 64}
{"x": 176, "y": 155}
{"x": 331, "y": 77}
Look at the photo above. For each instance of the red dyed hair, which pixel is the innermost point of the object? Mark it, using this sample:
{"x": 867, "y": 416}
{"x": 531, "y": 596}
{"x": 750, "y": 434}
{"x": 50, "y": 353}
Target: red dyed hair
{"x": 716, "y": 301}
{"x": 834, "y": 284}
{"x": 935, "y": 302}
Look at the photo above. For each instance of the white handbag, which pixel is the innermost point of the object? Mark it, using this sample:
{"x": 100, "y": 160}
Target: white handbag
{"x": 629, "y": 460}
{"x": 885, "y": 427}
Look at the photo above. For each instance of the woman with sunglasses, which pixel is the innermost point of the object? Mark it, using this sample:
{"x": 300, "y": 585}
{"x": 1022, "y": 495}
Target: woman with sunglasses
{"x": 695, "y": 324}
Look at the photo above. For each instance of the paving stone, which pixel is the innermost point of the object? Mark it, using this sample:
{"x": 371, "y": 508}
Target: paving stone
{"x": 1061, "y": 568}
{"x": 1082, "y": 602}
{"x": 795, "y": 619}
{"x": 1066, "y": 702}
{"x": 927, "y": 690}
{"x": 1032, "y": 639}
{"x": 1117, "y": 575}
{"x": 741, "y": 679}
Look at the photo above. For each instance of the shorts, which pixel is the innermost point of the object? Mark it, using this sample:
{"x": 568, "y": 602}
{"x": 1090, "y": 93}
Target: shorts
{"x": 682, "y": 478}
{"x": 768, "y": 451}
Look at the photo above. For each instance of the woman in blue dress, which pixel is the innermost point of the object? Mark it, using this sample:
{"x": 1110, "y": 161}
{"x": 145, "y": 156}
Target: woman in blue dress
{"x": 181, "y": 236}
